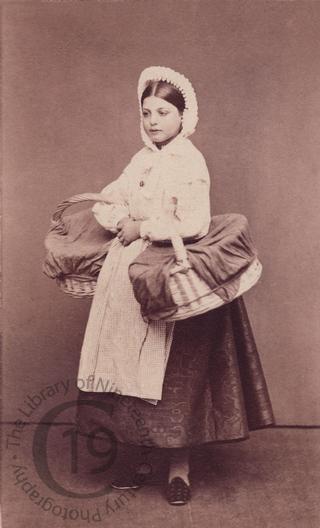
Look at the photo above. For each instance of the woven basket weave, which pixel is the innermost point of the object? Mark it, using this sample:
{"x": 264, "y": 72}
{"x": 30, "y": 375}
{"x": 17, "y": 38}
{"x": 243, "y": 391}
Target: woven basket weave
{"x": 193, "y": 296}
{"x": 77, "y": 286}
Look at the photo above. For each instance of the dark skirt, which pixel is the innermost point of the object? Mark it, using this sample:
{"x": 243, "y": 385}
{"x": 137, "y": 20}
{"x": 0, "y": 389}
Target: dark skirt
{"x": 214, "y": 389}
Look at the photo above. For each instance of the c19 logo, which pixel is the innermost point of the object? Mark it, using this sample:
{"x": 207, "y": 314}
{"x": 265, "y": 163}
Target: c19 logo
{"x": 73, "y": 438}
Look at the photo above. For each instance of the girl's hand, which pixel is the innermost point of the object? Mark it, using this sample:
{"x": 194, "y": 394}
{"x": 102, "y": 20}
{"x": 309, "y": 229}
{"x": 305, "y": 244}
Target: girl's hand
{"x": 129, "y": 230}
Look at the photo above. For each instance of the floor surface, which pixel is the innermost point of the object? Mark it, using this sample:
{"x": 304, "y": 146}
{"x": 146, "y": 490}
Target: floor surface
{"x": 271, "y": 480}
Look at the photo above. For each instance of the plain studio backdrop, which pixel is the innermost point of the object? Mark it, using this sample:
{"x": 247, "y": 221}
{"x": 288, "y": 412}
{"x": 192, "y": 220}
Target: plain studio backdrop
{"x": 70, "y": 125}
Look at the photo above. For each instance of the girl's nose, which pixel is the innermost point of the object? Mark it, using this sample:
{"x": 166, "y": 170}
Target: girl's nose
{"x": 153, "y": 120}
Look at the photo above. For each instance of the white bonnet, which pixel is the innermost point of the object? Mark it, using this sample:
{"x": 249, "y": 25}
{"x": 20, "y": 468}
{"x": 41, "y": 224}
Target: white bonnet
{"x": 179, "y": 81}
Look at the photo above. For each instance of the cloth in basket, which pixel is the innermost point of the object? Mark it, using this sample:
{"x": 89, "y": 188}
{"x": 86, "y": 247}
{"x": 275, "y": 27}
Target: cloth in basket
{"x": 76, "y": 247}
{"x": 218, "y": 260}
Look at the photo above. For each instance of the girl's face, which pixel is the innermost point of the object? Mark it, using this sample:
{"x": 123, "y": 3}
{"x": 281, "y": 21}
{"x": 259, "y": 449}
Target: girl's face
{"x": 161, "y": 120}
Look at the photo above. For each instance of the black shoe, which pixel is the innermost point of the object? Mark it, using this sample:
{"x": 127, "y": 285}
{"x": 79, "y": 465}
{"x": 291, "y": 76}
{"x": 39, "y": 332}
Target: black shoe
{"x": 130, "y": 480}
{"x": 178, "y": 492}
{"x": 125, "y": 483}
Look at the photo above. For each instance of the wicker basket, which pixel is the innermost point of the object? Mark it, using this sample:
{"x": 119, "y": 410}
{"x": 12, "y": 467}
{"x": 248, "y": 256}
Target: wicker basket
{"x": 76, "y": 285}
{"x": 192, "y": 295}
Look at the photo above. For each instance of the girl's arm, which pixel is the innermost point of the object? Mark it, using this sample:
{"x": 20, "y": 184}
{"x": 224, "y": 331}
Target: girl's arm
{"x": 109, "y": 214}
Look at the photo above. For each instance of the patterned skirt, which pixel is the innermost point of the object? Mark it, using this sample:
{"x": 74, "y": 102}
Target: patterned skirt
{"x": 214, "y": 389}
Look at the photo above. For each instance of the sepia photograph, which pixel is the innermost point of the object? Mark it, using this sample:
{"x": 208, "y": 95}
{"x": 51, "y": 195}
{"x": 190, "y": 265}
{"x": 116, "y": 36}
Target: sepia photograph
{"x": 160, "y": 307}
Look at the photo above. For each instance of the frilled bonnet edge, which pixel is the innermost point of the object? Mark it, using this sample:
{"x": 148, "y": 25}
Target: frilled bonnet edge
{"x": 179, "y": 81}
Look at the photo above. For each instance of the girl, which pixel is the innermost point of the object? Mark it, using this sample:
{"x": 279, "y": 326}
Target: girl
{"x": 171, "y": 385}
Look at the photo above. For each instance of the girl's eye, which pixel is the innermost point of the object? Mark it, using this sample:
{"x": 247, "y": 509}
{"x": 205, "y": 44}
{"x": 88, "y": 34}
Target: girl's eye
{"x": 163, "y": 113}
{"x": 145, "y": 114}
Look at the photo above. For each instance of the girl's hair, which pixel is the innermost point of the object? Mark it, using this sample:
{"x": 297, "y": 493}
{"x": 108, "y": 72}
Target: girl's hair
{"x": 167, "y": 92}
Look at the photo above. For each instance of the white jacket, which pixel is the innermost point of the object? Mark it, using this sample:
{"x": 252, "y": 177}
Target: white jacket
{"x": 167, "y": 189}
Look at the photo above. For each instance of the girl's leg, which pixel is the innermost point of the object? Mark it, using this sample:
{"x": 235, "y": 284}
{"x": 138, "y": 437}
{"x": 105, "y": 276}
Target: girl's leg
{"x": 178, "y": 488}
{"x": 179, "y": 463}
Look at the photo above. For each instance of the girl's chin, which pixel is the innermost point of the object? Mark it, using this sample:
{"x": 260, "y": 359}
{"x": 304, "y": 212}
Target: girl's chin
{"x": 161, "y": 142}
{"x": 157, "y": 136}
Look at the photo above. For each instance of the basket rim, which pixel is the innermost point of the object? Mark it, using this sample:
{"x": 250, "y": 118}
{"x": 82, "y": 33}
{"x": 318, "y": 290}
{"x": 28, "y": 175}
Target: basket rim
{"x": 76, "y": 278}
